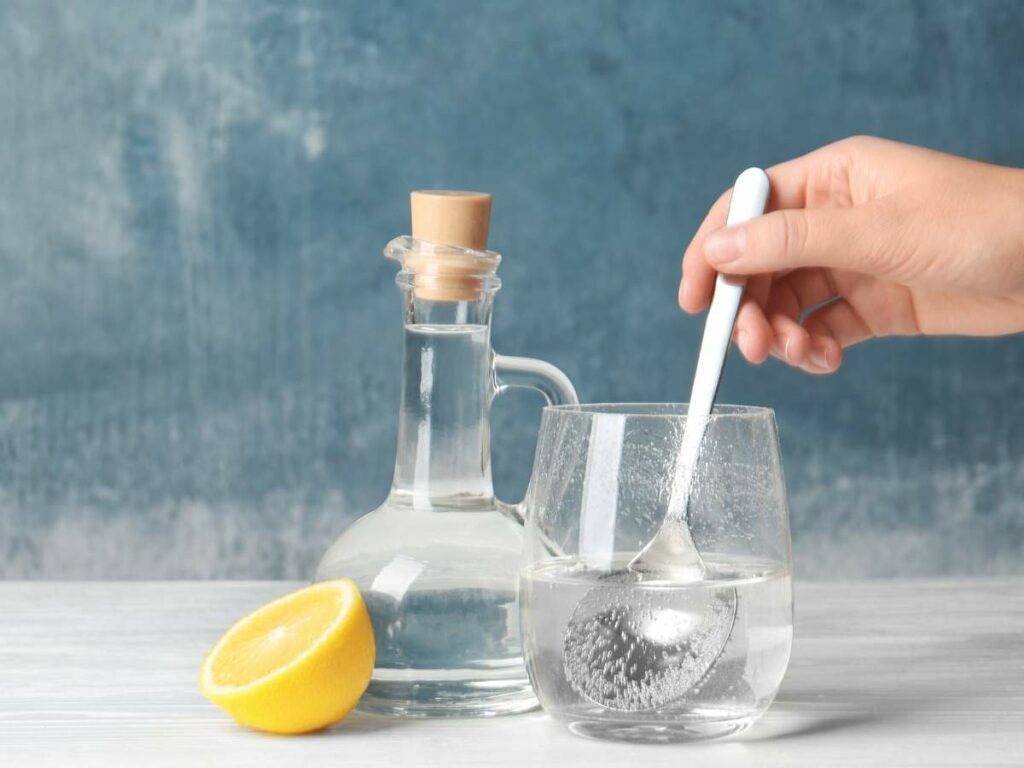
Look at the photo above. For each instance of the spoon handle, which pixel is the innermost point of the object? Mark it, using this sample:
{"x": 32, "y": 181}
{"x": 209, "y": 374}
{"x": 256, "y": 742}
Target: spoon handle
{"x": 673, "y": 544}
{"x": 749, "y": 197}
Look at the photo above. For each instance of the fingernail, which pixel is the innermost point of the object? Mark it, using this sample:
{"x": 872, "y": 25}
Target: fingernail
{"x": 684, "y": 292}
{"x": 725, "y": 245}
{"x": 820, "y": 356}
{"x": 741, "y": 340}
{"x": 780, "y": 346}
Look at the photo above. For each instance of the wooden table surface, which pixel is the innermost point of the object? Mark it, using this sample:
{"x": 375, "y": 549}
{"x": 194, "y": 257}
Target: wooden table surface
{"x": 884, "y": 673}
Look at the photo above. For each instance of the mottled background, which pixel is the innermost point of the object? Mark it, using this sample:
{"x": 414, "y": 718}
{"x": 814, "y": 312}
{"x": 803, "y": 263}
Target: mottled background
{"x": 199, "y": 339}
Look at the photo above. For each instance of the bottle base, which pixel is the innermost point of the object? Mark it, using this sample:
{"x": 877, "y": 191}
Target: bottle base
{"x": 448, "y": 699}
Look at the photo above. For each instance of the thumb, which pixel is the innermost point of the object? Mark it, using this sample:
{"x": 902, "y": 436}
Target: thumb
{"x": 793, "y": 238}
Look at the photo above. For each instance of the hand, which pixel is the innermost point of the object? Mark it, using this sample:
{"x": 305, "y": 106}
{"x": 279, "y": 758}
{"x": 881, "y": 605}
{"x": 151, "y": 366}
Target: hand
{"x": 865, "y": 238}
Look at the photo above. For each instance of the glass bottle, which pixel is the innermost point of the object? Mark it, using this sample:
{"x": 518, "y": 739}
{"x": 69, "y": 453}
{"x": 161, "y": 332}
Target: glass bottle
{"x": 438, "y": 561}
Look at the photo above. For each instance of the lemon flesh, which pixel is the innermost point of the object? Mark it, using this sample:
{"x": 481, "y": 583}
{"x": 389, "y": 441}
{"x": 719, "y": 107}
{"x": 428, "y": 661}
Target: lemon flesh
{"x": 298, "y": 664}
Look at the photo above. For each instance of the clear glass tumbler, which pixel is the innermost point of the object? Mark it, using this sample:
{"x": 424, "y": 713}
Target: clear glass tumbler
{"x": 601, "y": 485}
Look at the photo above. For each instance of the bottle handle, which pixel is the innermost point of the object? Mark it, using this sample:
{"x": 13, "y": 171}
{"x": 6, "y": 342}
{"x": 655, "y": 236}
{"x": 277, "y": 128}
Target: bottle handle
{"x": 527, "y": 373}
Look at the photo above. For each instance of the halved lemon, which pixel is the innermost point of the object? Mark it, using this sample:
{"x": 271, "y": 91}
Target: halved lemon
{"x": 298, "y": 664}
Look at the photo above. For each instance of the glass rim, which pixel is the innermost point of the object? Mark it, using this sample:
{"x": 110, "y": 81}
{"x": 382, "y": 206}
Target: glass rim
{"x": 660, "y": 410}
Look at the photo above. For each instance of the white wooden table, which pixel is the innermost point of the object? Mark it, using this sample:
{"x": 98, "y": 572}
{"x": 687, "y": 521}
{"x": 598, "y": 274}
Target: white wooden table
{"x": 883, "y": 674}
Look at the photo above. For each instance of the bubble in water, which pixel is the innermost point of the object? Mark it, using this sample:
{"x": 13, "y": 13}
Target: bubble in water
{"x": 632, "y": 649}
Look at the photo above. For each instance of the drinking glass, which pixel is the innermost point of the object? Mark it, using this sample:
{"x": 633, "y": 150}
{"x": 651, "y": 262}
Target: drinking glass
{"x": 601, "y": 485}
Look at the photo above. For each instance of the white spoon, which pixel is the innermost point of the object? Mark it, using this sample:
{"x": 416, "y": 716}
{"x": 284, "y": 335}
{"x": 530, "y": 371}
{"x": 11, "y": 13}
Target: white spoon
{"x": 631, "y": 657}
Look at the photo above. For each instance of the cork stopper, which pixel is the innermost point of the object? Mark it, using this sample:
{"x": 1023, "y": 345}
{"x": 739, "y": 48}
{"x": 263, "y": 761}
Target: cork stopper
{"x": 456, "y": 219}
{"x": 449, "y": 217}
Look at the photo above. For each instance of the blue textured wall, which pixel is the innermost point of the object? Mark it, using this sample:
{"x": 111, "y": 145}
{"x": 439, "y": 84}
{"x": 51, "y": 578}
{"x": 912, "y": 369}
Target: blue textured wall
{"x": 199, "y": 339}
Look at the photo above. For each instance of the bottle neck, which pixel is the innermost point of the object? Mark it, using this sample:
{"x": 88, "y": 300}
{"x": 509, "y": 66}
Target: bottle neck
{"x": 444, "y": 457}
